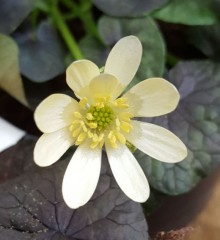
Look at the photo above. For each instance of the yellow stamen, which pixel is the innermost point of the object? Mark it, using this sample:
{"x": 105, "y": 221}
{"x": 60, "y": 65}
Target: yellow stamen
{"x": 89, "y": 116}
{"x": 120, "y": 137}
{"x": 92, "y": 125}
{"x": 76, "y": 132}
{"x": 126, "y": 127}
{"x": 77, "y": 115}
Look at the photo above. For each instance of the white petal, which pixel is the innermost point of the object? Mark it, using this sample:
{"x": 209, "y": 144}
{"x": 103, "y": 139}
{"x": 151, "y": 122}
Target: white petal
{"x": 55, "y": 112}
{"x": 124, "y": 59}
{"x": 105, "y": 85}
{"x": 152, "y": 97}
{"x": 81, "y": 177}
{"x": 128, "y": 173}
{"x": 79, "y": 74}
{"x": 157, "y": 142}
{"x": 51, "y": 146}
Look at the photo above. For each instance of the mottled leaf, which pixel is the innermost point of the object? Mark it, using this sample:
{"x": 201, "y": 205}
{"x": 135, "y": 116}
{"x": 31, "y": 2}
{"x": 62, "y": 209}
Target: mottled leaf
{"x": 112, "y": 29}
{"x": 32, "y": 207}
{"x": 206, "y": 39}
{"x": 121, "y": 8}
{"x": 196, "y": 12}
{"x": 41, "y": 53}
{"x": 12, "y": 13}
{"x": 10, "y": 79}
{"x": 196, "y": 122}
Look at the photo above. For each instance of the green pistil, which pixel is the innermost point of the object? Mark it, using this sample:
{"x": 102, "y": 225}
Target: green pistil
{"x": 101, "y": 116}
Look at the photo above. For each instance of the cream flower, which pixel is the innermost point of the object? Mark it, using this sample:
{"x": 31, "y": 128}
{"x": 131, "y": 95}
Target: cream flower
{"x": 103, "y": 117}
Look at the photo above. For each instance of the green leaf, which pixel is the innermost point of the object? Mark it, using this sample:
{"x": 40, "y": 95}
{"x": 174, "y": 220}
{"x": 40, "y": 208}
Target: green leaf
{"x": 190, "y": 12}
{"x": 42, "y": 56}
{"x": 10, "y": 79}
{"x": 12, "y": 13}
{"x": 121, "y": 8}
{"x": 112, "y": 29}
{"x": 206, "y": 39}
{"x": 196, "y": 121}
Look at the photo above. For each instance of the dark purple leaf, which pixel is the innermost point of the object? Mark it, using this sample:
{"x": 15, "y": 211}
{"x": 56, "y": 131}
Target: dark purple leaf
{"x": 41, "y": 53}
{"x": 32, "y": 207}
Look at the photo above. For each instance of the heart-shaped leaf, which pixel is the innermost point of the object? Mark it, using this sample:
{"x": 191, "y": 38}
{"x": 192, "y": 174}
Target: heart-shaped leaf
{"x": 196, "y": 12}
{"x": 12, "y": 13}
{"x": 121, "y": 8}
{"x": 10, "y": 79}
{"x": 196, "y": 122}
{"x": 32, "y": 207}
{"x": 41, "y": 53}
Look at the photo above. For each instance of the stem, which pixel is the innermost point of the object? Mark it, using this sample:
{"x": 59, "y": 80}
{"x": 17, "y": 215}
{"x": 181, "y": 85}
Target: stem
{"x": 65, "y": 32}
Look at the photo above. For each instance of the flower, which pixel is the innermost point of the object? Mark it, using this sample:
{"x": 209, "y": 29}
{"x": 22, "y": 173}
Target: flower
{"x": 103, "y": 117}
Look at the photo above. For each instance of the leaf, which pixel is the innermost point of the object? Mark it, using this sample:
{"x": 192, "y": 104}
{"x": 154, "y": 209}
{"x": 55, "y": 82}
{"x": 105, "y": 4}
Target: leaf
{"x": 12, "y": 13}
{"x": 41, "y": 53}
{"x": 32, "y": 207}
{"x": 112, "y": 29}
{"x": 15, "y": 160}
{"x": 131, "y": 8}
{"x": 10, "y": 79}
{"x": 206, "y": 39}
{"x": 196, "y": 122}
{"x": 93, "y": 50}
{"x": 196, "y": 12}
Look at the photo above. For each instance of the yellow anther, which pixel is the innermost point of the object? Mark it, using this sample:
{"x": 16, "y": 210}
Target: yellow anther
{"x": 92, "y": 125}
{"x": 80, "y": 138}
{"x": 76, "y": 122}
{"x": 90, "y": 134}
{"x": 95, "y": 138}
{"x": 89, "y": 116}
{"x": 77, "y": 115}
{"x": 121, "y": 102}
{"x": 117, "y": 122}
{"x": 113, "y": 139}
{"x": 76, "y": 132}
{"x": 101, "y": 136}
{"x": 120, "y": 137}
{"x": 126, "y": 116}
{"x": 126, "y": 127}
{"x": 94, "y": 145}
{"x": 71, "y": 127}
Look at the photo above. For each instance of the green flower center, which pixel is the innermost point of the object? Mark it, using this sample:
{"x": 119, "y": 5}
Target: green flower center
{"x": 100, "y": 117}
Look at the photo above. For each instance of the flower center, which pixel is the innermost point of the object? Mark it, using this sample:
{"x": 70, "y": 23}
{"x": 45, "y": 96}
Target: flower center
{"x": 104, "y": 120}
{"x": 101, "y": 117}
